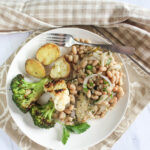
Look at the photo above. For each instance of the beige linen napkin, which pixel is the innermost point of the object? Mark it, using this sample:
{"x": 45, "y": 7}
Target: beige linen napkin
{"x": 119, "y": 23}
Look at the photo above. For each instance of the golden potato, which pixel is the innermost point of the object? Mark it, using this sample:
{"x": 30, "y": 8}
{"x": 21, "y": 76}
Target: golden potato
{"x": 61, "y": 69}
{"x": 48, "y": 53}
{"x": 35, "y": 68}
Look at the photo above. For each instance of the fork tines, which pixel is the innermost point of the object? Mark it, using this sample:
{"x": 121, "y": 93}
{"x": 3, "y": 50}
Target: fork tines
{"x": 57, "y": 34}
{"x": 57, "y": 38}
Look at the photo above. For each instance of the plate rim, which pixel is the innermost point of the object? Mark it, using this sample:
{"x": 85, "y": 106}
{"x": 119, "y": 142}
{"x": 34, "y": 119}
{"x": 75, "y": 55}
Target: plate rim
{"x": 127, "y": 78}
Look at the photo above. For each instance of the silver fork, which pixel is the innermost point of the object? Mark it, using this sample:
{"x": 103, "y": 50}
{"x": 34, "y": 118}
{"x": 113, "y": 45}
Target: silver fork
{"x": 67, "y": 40}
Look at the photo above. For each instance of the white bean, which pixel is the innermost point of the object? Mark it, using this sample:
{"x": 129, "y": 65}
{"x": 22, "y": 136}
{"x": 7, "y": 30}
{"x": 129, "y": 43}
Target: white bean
{"x": 67, "y": 111}
{"x": 114, "y": 99}
{"x": 62, "y": 115}
{"x": 109, "y": 74}
{"x": 115, "y": 88}
{"x": 73, "y": 92}
{"x": 89, "y": 94}
{"x": 82, "y": 40}
{"x": 102, "y": 69}
{"x": 95, "y": 62}
{"x": 113, "y": 79}
{"x": 95, "y": 97}
{"x": 69, "y": 118}
{"x": 84, "y": 63}
{"x": 79, "y": 88}
{"x": 80, "y": 80}
{"x": 74, "y": 50}
{"x": 120, "y": 92}
{"x": 87, "y": 41}
{"x": 103, "y": 114}
{"x": 117, "y": 77}
{"x": 75, "y": 58}
{"x": 72, "y": 98}
{"x": 82, "y": 47}
{"x": 94, "y": 70}
{"x": 109, "y": 89}
{"x": 70, "y": 58}
{"x": 72, "y": 87}
{"x": 98, "y": 93}
{"x": 77, "y": 39}
{"x": 81, "y": 52}
{"x": 120, "y": 81}
{"x": 90, "y": 62}
{"x": 71, "y": 107}
{"x": 69, "y": 123}
{"x": 101, "y": 81}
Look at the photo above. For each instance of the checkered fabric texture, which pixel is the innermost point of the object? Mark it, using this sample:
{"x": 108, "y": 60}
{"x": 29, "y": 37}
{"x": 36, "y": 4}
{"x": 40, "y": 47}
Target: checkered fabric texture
{"x": 118, "y": 22}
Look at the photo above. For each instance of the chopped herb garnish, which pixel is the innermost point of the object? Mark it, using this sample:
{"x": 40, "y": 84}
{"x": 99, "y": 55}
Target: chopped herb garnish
{"x": 85, "y": 89}
{"x": 111, "y": 96}
{"x": 77, "y": 129}
{"x": 93, "y": 111}
{"x": 104, "y": 89}
{"x": 85, "y": 86}
{"x": 89, "y": 72}
{"x": 89, "y": 67}
{"x": 65, "y": 136}
{"x": 91, "y": 83}
{"x": 108, "y": 61}
{"x": 86, "y": 73}
{"x": 105, "y": 82}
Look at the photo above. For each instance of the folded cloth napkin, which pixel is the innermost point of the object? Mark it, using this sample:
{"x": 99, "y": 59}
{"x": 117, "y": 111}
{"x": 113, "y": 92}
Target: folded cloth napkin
{"x": 119, "y": 23}
{"x": 127, "y": 24}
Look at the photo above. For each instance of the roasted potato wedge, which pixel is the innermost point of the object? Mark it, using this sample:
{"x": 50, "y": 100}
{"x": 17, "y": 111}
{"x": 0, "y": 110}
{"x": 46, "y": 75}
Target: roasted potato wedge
{"x": 35, "y": 68}
{"x": 61, "y": 69}
{"x": 48, "y": 53}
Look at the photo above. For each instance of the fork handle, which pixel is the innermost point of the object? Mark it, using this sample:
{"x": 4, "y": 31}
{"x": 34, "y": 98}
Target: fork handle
{"x": 114, "y": 48}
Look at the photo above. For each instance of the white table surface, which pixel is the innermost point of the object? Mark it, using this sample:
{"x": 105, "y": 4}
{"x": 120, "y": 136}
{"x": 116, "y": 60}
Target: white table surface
{"x": 137, "y": 137}
{"x": 140, "y": 3}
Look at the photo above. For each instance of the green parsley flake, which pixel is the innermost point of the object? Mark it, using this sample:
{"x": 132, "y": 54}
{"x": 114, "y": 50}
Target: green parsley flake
{"x": 108, "y": 61}
{"x": 91, "y": 83}
{"x": 89, "y": 67}
{"x": 104, "y": 89}
{"x": 85, "y": 89}
{"x": 105, "y": 82}
{"x": 111, "y": 96}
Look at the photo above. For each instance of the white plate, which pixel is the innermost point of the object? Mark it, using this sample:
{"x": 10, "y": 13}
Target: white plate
{"x": 51, "y": 138}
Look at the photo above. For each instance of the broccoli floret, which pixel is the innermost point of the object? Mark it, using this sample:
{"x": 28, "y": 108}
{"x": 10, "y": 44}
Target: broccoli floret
{"x": 24, "y": 93}
{"x": 42, "y": 115}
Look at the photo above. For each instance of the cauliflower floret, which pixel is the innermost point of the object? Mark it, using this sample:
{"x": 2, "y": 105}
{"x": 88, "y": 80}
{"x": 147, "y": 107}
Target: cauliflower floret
{"x": 59, "y": 93}
{"x": 61, "y": 99}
